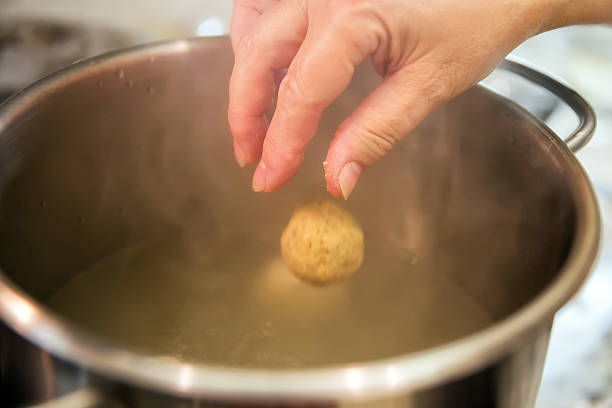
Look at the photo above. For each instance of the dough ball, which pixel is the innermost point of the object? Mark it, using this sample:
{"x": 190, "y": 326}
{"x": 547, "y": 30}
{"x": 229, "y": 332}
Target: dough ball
{"x": 322, "y": 242}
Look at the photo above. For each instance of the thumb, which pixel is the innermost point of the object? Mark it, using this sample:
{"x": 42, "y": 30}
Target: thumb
{"x": 381, "y": 120}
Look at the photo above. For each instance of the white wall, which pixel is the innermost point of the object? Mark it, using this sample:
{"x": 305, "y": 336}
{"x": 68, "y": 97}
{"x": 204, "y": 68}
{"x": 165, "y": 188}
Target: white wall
{"x": 151, "y": 19}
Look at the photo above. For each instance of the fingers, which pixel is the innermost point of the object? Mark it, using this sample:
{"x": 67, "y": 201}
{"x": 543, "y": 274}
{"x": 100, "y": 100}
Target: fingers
{"x": 382, "y": 119}
{"x": 319, "y": 73}
{"x": 244, "y": 17}
{"x": 268, "y": 47}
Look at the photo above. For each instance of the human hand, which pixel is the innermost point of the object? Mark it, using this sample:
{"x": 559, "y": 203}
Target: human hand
{"x": 427, "y": 52}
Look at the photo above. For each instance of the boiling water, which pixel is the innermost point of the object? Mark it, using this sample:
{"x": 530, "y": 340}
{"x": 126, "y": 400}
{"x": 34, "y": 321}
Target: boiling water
{"x": 233, "y": 302}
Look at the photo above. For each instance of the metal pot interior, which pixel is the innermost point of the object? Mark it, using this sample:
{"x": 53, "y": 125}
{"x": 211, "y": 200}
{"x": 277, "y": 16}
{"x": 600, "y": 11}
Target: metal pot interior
{"x": 122, "y": 209}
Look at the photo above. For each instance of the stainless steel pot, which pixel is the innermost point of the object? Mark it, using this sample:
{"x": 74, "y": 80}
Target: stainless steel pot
{"x": 134, "y": 144}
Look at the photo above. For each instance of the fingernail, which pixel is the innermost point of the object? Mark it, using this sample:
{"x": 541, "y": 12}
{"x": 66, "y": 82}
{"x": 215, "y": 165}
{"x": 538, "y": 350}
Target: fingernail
{"x": 259, "y": 178}
{"x": 240, "y": 154}
{"x": 348, "y": 178}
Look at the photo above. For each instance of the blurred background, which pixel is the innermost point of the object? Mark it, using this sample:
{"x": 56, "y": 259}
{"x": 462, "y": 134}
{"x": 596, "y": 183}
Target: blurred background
{"x": 40, "y": 36}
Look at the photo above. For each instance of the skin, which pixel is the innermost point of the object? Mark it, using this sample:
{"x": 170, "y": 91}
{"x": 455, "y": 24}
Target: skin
{"x": 304, "y": 52}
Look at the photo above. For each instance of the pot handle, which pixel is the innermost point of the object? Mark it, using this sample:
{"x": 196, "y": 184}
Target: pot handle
{"x": 84, "y": 398}
{"x": 586, "y": 116}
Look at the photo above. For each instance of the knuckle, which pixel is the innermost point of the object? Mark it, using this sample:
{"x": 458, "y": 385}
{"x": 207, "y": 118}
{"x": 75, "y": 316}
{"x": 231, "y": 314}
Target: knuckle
{"x": 237, "y": 112}
{"x": 250, "y": 4}
{"x": 283, "y": 148}
{"x": 437, "y": 84}
{"x": 338, "y": 10}
{"x": 293, "y": 95}
{"x": 248, "y": 45}
{"x": 290, "y": 89}
{"x": 434, "y": 82}
{"x": 376, "y": 147}
{"x": 376, "y": 138}
{"x": 442, "y": 88}
{"x": 381, "y": 141}
{"x": 277, "y": 147}
{"x": 234, "y": 118}
{"x": 355, "y": 21}
{"x": 347, "y": 4}
{"x": 280, "y": 153}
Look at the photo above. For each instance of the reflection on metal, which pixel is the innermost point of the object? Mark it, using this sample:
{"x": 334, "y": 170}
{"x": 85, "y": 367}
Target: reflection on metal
{"x": 354, "y": 379}
{"x": 23, "y": 310}
{"x": 586, "y": 115}
{"x": 30, "y": 49}
{"x": 185, "y": 379}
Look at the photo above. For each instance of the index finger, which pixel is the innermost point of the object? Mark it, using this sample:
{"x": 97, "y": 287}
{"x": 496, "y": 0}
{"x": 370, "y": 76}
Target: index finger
{"x": 320, "y": 72}
{"x": 244, "y": 17}
{"x": 270, "y": 46}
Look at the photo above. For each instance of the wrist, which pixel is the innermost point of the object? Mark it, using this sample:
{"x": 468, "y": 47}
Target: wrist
{"x": 563, "y": 13}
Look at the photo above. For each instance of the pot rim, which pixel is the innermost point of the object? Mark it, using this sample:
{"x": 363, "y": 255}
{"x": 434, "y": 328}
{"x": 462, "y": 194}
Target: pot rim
{"x": 384, "y": 377}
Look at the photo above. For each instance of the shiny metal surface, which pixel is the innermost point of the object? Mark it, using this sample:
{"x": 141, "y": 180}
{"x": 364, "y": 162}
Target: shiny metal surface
{"x": 83, "y": 398}
{"x": 32, "y": 48}
{"x": 586, "y": 116}
{"x": 135, "y": 144}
